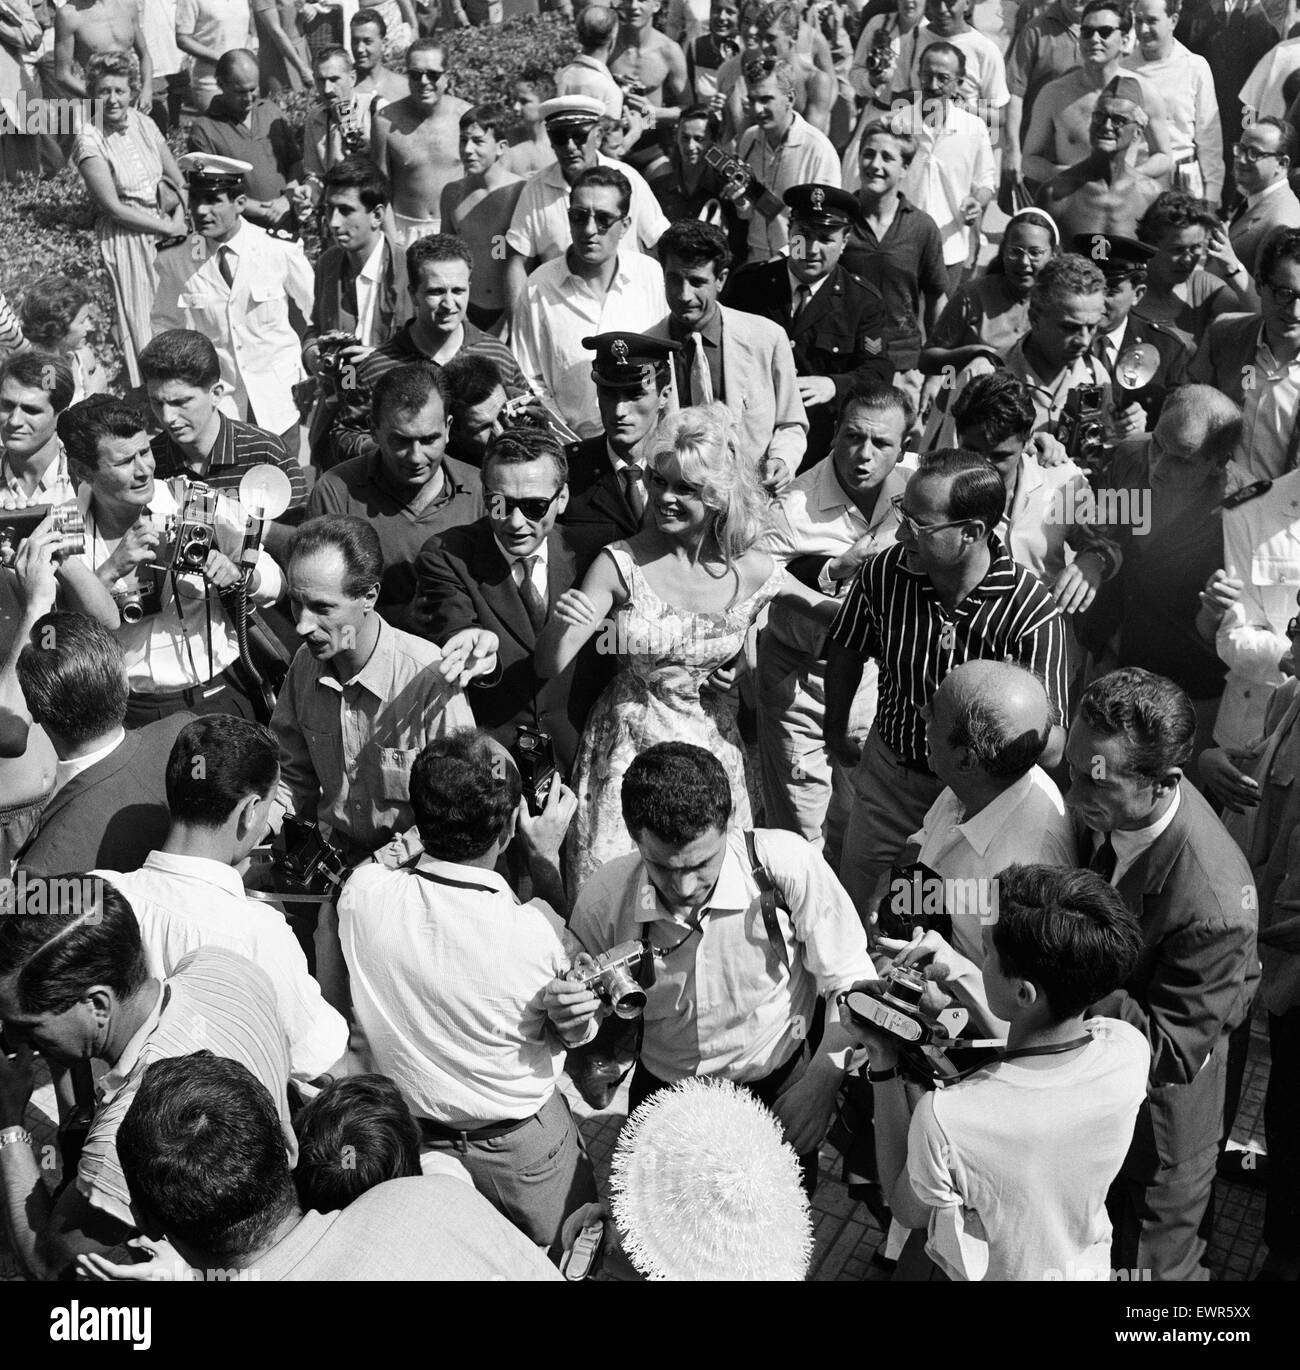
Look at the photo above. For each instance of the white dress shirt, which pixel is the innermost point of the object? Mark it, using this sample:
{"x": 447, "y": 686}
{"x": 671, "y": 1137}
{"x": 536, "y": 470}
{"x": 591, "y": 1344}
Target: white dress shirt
{"x": 559, "y": 309}
{"x": 953, "y": 160}
{"x": 370, "y": 281}
{"x": 537, "y": 573}
{"x": 447, "y": 977}
{"x": 183, "y": 903}
{"x": 1269, "y": 411}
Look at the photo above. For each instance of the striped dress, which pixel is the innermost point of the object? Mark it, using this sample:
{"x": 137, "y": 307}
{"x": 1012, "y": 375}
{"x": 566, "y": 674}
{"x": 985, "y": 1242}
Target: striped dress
{"x": 134, "y": 155}
{"x": 11, "y": 331}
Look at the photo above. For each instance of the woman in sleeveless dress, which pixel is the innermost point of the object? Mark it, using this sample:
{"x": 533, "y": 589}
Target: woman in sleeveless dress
{"x": 675, "y": 603}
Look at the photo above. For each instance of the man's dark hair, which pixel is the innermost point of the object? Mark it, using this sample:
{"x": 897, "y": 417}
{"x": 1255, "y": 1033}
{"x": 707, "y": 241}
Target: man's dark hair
{"x": 999, "y": 403}
{"x": 1152, "y": 714}
{"x": 980, "y": 726}
{"x": 75, "y": 932}
{"x": 181, "y": 354}
{"x": 204, "y": 1157}
{"x": 695, "y": 244}
{"x": 463, "y": 793}
{"x": 537, "y": 79}
{"x": 945, "y": 49}
{"x": 1068, "y": 274}
{"x": 363, "y": 176}
{"x": 1119, "y": 7}
{"x": 1066, "y": 931}
{"x": 606, "y": 178}
{"x": 356, "y": 1133}
{"x": 468, "y": 379}
{"x": 1174, "y": 209}
{"x": 1285, "y": 133}
{"x": 677, "y": 791}
{"x": 436, "y": 248}
{"x": 73, "y": 677}
{"x": 897, "y": 130}
{"x": 878, "y": 397}
{"x": 216, "y": 762}
{"x": 491, "y": 118}
{"x": 82, "y": 426}
{"x": 976, "y": 492}
{"x": 405, "y": 390}
{"x": 356, "y": 542}
{"x": 1281, "y": 245}
{"x": 35, "y": 370}
{"x": 691, "y": 112}
{"x": 515, "y": 446}
{"x": 369, "y": 16}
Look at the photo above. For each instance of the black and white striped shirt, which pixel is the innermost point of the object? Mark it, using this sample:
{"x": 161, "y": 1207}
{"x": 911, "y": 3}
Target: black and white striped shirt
{"x": 893, "y": 615}
{"x": 238, "y": 447}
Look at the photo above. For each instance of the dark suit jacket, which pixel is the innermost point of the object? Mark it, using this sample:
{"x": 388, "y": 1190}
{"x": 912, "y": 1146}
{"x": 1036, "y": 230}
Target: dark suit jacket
{"x": 598, "y": 512}
{"x": 1193, "y": 894}
{"x": 113, "y": 814}
{"x": 1171, "y": 373}
{"x": 839, "y": 334}
{"x": 1227, "y": 348}
{"x": 463, "y": 581}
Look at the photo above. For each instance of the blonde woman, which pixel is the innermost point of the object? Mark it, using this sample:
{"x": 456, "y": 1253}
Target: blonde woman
{"x": 674, "y": 603}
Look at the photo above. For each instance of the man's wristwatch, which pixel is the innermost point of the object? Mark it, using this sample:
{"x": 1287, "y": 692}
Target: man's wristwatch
{"x": 12, "y": 1136}
{"x": 878, "y": 1077}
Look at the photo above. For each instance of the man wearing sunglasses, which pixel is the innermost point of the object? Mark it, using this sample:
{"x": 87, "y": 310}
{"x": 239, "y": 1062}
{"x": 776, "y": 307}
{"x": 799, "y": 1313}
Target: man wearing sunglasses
{"x": 416, "y": 142}
{"x": 503, "y": 573}
{"x": 593, "y": 286}
{"x": 1102, "y": 193}
{"x": 1059, "y": 129}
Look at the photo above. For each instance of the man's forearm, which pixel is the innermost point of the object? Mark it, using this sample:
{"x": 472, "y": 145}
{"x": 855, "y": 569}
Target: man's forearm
{"x": 548, "y": 884}
{"x": 843, "y": 676}
{"x": 28, "y": 1205}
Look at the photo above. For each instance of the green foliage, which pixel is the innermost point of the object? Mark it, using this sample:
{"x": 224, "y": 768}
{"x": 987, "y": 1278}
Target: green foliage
{"x": 47, "y": 227}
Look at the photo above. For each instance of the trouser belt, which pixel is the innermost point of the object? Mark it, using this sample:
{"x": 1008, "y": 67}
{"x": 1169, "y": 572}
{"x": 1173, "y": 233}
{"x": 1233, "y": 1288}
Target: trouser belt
{"x": 440, "y": 1132}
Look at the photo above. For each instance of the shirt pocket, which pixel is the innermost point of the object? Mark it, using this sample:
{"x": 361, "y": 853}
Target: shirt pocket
{"x": 1274, "y": 570}
{"x": 395, "y": 773}
{"x": 266, "y": 301}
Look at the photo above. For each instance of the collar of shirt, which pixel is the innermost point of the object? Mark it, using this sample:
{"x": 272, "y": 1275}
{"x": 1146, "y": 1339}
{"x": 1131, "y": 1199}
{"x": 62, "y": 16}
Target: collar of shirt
{"x": 999, "y": 579}
{"x": 730, "y": 892}
{"x": 541, "y": 552}
{"x": 175, "y": 462}
{"x": 53, "y": 478}
{"x": 1273, "y": 369}
{"x": 468, "y": 875}
{"x": 1130, "y": 845}
{"x": 64, "y": 771}
{"x": 1116, "y": 336}
{"x": 376, "y": 675}
{"x": 234, "y": 244}
{"x": 125, "y": 1063}
{"x": 422, "y": 501}
{"x": 455, "y": 341}
{"x": 1280, "y": 184}
{"x": 618, "y": 282}
{"x": 372, "y": 269}
{"x": 201, "y": 868}
{"x": 811, "y": 286}
{"x": 830, "y": 495}
{"x": 711, "y": 332}
{"x": 980, "y": 829}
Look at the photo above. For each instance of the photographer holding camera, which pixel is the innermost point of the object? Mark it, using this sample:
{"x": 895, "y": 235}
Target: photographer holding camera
{"x": 447, "y": 972}
{"x": 1008, "y": 1169}
{"x": 176, "y": 635}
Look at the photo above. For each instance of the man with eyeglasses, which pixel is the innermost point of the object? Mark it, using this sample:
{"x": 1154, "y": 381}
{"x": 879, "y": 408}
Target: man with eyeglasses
{"x": 540, "y": 231}
{"x": 1102, "y": 193}
{"x": 1254, "y": 359}
{"x": 415, "y": 142}
{"x": 1261, "y": 161}
{"x": 947, "y": 593}
{"x": 504, "y": 572}
{"x": 591, "y": 287}
{"x": 1058, "y": 134}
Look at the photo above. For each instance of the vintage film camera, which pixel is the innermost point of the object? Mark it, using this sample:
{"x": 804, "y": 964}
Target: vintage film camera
{"x": 880, "y": 59}
{"x": 329, "y": 354}
{"x": 913, "y": 901}
{"x": 194, "y": 533}
{"x": 534, "y": 754}
{"x": 1081, "y": 428}
{"x": 893, "y": 1006}
{"x": 305, "y": 860}
{"x": 351, "y": 134}
{"x": 17, "y": 525}
{"x": 611, "y": 976}
{"x": 734, "y": 170}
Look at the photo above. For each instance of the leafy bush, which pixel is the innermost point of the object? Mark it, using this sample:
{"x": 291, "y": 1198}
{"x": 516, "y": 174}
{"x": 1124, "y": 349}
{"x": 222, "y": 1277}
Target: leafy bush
{"x": 47, "y": 227}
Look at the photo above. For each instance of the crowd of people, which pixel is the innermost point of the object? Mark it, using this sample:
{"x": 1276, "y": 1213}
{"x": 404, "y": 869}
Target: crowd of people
{"x": 770, "y": 554}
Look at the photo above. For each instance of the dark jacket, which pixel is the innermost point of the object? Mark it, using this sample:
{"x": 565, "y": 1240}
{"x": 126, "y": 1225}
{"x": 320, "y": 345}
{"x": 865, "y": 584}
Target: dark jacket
{"x": 1170, "y": 374}
{"x": 598, "y": 512}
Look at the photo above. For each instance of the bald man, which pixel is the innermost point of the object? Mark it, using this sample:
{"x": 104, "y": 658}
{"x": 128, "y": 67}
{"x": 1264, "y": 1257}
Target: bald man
{"x": 239, "y": 124}
{"x": 985, "y": 730}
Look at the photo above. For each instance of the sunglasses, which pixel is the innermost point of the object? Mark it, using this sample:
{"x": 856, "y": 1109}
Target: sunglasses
{"x": 432, "y": 77}
{"x": 563, "y": 137}
{"x": 917, "y": 529}
{"x": 533, "y": 507}
{"x": 1102, "y": 31}
{"x": 604, "y": 220}
{"x": 1251, "y": 154}
{"x": 1100, "y": 120}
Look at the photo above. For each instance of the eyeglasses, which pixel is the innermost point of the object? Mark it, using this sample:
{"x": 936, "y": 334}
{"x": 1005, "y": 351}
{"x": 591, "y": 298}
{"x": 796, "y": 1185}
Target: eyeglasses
{"x": 562, "y": 137}
{"x": 1101, "y": 120}
{"x": 533, "y": 507}
{"x": 432, "y": 77}
{"x": 1030, "y": 255}
{"x": 1251, "y": 154}
{"x": 603, "y": 218}
{"x": 918, "y": 529}
{"x": 1102, "y": 31}
{"x": 1284, "y": 296}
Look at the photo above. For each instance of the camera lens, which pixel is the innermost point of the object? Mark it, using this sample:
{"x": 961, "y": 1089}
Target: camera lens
{"x": 132, "y": 611}
{"x": 905, "y": 986}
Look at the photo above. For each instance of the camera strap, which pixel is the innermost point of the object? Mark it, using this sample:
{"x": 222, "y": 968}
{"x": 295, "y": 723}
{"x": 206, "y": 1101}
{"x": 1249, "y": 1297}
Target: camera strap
{"x": 769, "y": 900}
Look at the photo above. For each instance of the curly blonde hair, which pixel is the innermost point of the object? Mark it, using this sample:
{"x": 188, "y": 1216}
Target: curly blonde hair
{"x": 113, "y": 63}
{"x": 702, "y": 440}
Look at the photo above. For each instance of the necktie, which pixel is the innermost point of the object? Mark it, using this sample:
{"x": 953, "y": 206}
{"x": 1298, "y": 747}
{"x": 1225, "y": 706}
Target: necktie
{"x": 533, "y": 605}
{"x": 802, "y": 295}
{"x": 1102, "y": 350}
{"x": 226, "y": 266}
{"x": 1238, "y": 210}
{"x": 634, "y": 489}
{"x": 701, "y": 381}
{"x": 1104, "y": 859}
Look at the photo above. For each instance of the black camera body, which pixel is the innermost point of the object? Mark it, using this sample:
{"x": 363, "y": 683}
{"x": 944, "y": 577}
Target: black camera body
{"x": 1081, "y": 428}
{"x": 306, "y": 860}
{"x": 914, "y": 902}
{"x": 893, "y": 1006}
{"x": 329, "y": 353}
{"x": 534, "y": 754}
{"x": 880, "y": 60}
{"x": 194, "y": 534}
{"x": 17, "y": 525}
{"x": 734, "y": 170}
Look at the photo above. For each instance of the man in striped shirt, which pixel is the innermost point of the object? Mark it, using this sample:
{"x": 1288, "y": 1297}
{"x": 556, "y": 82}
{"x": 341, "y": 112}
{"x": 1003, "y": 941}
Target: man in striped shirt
{"x": 75, "y": 985}
{"x": 946, "y": 594}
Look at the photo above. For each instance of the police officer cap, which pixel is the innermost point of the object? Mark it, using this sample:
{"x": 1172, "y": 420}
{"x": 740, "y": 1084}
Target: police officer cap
{"x": 572, "y": 110}
{"x": 207, "y": 169}
{"x": 1115, "y": 256}
{"x": 628, "y": 359}
{"x": 824, "y": 206}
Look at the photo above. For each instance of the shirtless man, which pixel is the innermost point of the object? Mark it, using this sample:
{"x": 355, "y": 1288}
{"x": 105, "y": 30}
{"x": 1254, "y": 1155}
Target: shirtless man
{"x": 367, "y": 32}
{"x": 1058, "y": 129}
{"x": 479, "y": 207}
{"x": 771, "y": 31}
{"x": 658, "y": 67}
{"x": 1102, "y": 193}
{"x": 531, "y": 150}
{"x": 85, "y": 27}
{"x": 413, "y": 142}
